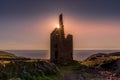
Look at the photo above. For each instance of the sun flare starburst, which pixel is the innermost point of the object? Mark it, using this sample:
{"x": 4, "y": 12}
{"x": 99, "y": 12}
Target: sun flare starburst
{"x": 57, "y": 26}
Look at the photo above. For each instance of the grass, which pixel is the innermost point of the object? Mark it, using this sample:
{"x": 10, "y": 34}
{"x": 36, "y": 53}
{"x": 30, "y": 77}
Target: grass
{"x": 73, "y": 66}
{"x": 63, "y": 69}
{"x": 68, "y": 67}
{"x": 48, "y": 77}
{"x": 89, "y": 63}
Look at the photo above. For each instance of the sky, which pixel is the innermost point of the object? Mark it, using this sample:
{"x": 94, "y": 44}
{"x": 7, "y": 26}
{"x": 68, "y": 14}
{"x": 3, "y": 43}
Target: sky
{"x": 27, "y": 24}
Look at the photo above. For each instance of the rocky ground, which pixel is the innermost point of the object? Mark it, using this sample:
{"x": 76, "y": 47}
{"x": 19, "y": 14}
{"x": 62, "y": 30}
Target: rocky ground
{"x": 76, "y": 71}
{"x": 99, "y": 66}
{"x": 82, "y": 76}
{"x": 108, "y": 65}
{"x": 113, "y": 72}
{"x": 27, "y": 70}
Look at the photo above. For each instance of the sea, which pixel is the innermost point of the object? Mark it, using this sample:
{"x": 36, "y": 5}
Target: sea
{"x": 78, "y": 55}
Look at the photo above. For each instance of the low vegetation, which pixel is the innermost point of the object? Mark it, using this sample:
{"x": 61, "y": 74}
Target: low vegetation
{"x": 36, "y": 69}
{"x": 22, "y": 70}
{"x": 109, "y": 64}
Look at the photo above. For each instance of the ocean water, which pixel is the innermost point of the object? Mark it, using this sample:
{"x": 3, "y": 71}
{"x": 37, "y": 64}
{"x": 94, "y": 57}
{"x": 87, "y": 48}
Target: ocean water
{"x": 44, "y": 54}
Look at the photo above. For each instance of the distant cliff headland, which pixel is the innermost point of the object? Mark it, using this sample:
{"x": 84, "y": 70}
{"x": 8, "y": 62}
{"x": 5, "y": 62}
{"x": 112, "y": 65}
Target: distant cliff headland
{"x": 8, "y": 56}
{"x": 97, "y": 66}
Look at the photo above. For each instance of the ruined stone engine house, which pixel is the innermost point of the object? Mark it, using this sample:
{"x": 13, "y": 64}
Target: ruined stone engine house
{"x": 61, "y": 47}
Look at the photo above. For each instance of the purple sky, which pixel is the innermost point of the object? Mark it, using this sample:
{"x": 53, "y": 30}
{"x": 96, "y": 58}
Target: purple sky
{"x": 27, "y": 24}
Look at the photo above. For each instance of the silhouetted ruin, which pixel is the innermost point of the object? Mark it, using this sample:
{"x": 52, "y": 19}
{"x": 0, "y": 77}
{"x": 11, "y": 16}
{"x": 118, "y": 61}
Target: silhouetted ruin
{"x": 61, "y": 47}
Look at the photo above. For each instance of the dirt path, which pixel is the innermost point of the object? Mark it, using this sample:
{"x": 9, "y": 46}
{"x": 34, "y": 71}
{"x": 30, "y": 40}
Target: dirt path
{"x": 72, "y": 76}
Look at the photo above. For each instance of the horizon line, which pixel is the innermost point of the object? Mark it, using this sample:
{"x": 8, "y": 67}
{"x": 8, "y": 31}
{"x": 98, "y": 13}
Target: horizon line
{"x": 49, "y": 50}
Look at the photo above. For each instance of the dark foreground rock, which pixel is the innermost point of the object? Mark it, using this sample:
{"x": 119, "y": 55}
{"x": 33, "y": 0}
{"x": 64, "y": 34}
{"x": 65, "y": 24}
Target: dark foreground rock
{"x": 107, "y": 64}
{"x": 26, "y": 70}
{"x": 111, "y": 68}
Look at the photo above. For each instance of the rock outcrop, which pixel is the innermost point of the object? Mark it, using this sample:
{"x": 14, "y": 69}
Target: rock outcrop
{"x": 27, "y": 69}
{"x": 107, "y": 64}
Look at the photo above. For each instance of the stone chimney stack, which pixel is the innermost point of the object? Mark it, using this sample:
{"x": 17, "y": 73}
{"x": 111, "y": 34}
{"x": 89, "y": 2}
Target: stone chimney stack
{"x": 61, "y": 29}
{"x": 61, "y": 20}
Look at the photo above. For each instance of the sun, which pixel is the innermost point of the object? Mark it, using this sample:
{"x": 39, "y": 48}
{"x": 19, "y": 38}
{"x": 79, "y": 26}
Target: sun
{"x": 57, "y": 26}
